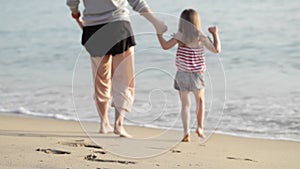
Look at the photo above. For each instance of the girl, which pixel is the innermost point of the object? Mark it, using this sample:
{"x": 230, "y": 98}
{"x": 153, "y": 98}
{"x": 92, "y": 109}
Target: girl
{"x": 190, "y": 63}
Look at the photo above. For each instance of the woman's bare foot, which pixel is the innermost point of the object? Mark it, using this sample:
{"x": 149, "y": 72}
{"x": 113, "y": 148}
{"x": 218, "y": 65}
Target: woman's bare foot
{"x": 119, "y": 130}
{"x": 200, "y": 133}
{"x": 186, "y": 138}
{"x": 105, "y": 128}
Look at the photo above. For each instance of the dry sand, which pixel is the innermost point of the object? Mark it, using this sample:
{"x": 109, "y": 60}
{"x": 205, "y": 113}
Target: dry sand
{"x": 47, "y": 143}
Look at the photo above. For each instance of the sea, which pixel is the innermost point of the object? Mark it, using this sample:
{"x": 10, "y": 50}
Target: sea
{"x": 252, "y": 86}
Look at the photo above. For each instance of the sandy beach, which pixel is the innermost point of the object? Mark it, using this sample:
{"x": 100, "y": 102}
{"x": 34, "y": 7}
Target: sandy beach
{"x": 47, "y": 143}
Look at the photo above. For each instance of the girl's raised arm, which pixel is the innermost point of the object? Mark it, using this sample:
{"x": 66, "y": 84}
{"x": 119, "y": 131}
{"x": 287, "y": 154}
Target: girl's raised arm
{"x": 214, "y": 46}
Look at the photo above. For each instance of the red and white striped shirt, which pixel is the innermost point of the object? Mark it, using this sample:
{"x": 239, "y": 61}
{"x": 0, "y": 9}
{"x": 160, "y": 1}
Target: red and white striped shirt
{"x": 190, "y": 60}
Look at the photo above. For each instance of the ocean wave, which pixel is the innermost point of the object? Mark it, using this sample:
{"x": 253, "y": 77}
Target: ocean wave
{"x": 249, "y": 135}
{"x": 24, "y": 111}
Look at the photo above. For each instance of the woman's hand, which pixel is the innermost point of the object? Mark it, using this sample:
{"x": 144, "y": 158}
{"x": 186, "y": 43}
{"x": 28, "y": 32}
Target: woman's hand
{"x": 160, "y": 27}
{"x": 76, "y": 16}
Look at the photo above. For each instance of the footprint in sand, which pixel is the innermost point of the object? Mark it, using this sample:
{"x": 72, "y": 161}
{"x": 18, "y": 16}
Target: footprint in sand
{"x": 176, "y": 151}
{"x": 52, "y": 151}
{"x": 99, "y": 152}
{"x": 245, "y": 159}
{"x": 81, "y": 144}
{"x": 93, "y": 157}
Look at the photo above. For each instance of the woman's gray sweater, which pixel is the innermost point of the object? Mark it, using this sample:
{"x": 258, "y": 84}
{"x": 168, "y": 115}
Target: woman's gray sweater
{"x": 105, "y": 11}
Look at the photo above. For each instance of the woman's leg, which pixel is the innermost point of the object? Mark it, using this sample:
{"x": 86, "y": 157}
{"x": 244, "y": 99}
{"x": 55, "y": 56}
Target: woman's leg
{"x": 185, "y": 114}
{"x": 101, "y": 67}
{"x": 200, "y": 111}
{"x": 122, "y": 87}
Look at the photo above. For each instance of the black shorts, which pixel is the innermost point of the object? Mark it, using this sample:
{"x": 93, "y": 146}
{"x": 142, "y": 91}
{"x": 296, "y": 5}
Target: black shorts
{"x": 110, "y": 38}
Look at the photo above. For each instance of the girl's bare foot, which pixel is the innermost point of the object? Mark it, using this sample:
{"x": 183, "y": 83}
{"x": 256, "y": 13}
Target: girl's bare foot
{"x": 200, "y": 133}
{"x": 119, "y": 130}
{"x": 105, "y": 128}
{"x": 186, "y": 138}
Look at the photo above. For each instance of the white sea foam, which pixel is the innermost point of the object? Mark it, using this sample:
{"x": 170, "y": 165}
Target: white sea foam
{"x": 23, "y": 111}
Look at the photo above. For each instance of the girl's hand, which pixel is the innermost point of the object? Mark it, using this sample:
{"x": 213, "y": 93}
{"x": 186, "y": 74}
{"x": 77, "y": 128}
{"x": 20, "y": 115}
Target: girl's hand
{"x": 213, "y": 30}
{"x": 214, "y": 46}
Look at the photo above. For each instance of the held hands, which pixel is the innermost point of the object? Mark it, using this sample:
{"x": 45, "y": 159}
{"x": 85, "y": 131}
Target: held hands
{"x": 160, "y": 27}
{"x": 213, "y": 29}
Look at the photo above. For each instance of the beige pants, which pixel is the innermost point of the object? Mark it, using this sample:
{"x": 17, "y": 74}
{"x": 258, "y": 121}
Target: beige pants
{"x": 114, "y": 78}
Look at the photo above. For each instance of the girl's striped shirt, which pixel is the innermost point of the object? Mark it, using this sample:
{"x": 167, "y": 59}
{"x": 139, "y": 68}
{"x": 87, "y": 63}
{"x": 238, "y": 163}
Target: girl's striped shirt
{"x": 190, "y": 60}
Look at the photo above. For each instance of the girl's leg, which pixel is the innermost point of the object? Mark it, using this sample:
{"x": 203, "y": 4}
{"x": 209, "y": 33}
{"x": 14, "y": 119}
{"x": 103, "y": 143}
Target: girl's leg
{"x": 200, "y": 110}
{"x": 101, "y": 67}
{"x": 122, "y": 88}
{"x": 185, "y": 114}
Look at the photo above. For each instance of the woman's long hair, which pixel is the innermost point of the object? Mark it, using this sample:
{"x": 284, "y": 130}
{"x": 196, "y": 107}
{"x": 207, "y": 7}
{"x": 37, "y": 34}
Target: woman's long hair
{"x": 189, "y": 25}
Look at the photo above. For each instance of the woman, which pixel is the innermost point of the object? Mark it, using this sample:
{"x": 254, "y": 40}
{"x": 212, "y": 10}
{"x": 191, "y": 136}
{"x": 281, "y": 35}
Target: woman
{"x": 108, "y": 37}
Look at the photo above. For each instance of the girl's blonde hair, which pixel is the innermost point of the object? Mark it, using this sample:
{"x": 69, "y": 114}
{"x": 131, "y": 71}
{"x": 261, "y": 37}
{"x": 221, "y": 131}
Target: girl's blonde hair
{"x": 189, "y": 25}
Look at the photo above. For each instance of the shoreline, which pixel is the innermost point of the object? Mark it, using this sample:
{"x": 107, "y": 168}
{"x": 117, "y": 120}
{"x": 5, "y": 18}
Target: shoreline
{"x": 154, "y": 127}
{"x": 48, "y": 143}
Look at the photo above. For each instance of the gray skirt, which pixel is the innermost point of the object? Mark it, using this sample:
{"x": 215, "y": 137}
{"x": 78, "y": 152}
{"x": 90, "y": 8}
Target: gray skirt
{"x": 185, "y": 81}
